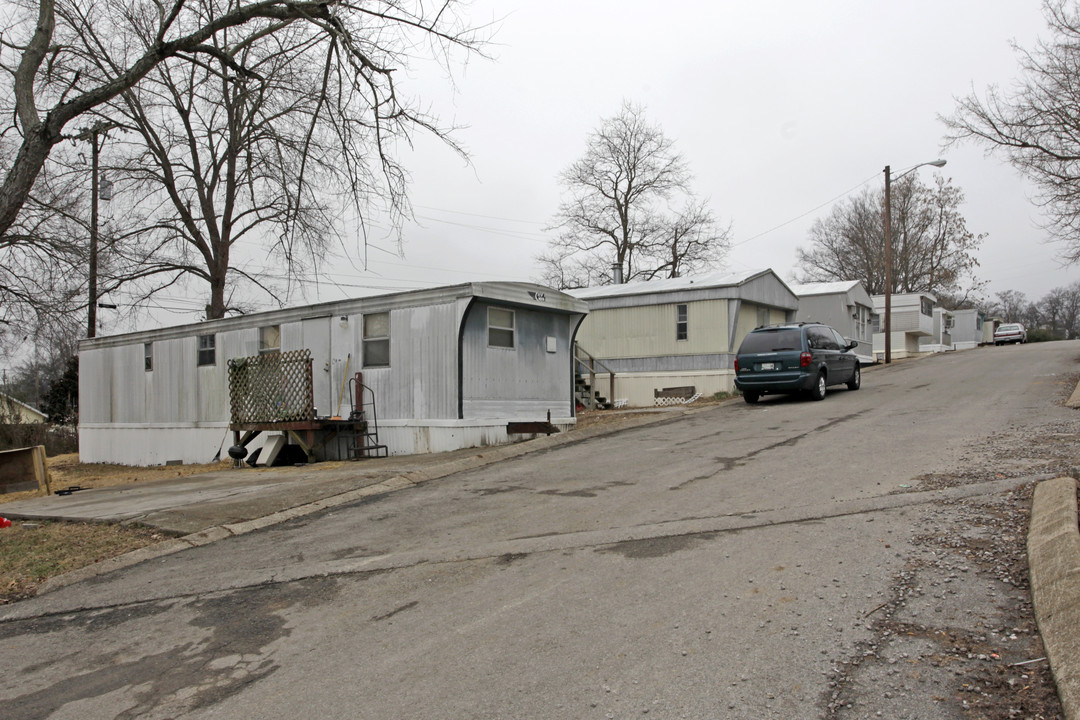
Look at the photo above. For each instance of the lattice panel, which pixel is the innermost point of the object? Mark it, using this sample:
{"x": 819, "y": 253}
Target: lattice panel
{"x": 275, "y": 387}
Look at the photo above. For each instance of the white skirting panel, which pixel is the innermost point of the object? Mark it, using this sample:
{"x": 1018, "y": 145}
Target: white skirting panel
{"x": 637, "y": 388}
{"x": 132, "y": 444}
{"x": 144, "y": 445}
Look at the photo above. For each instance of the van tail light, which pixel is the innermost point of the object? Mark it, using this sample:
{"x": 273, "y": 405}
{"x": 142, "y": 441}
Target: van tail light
{"x": 736, "y": 363}
{"x": 804, "y": 359}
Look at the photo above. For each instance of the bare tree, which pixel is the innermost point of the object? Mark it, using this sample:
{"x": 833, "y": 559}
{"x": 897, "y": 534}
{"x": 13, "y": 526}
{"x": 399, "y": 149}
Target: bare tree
{"x": 933, "y": 251}
{"x": 42, "y": 261}
{"x": 1070, "y": 310}
{"x": 1032, "y": 316}
{"x": 1036, "y": 123}
{"x": 614, "y": 214}
{"x": 1010, "y": 305}
{"x": 1060, "y": 309}
{"x": 848, "y": 244}
{"x": 688, "y": 242}
{"x": 68, "y": 59}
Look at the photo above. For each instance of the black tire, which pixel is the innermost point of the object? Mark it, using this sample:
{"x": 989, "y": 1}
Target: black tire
{"x": 750, "y": 397}
{"x": 818, "y": 391}
{"x": 856, "y": 379}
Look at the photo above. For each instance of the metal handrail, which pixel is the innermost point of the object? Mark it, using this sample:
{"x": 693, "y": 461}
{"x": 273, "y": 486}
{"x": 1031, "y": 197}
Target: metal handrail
{"x": 591, "y": 365}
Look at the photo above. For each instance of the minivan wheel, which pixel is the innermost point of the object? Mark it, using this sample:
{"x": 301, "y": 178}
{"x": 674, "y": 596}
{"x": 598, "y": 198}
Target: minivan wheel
{"x": 856, "y": 379}
{"x": 750, "y": 397}
{"x": 818, "y": 391}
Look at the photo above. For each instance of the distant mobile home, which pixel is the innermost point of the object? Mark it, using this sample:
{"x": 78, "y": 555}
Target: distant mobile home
{"x": 679, "y": 332}
{"x": 941, "y": 339}
{"x": 967, "y": 331}
{"x": 448, "y": 368}
{"x": 912, "y": 319}
{"x": 845, "y": 305}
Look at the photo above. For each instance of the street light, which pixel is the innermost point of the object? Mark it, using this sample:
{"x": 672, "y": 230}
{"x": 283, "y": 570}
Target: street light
{"x": 888, "y": 250}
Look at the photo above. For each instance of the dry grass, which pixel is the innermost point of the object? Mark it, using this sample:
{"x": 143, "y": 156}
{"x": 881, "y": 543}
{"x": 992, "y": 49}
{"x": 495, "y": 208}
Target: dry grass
{"x": 66, "y": 470}
{"x": 32, "y": 552}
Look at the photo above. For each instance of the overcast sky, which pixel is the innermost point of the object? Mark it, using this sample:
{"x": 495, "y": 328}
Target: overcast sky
{"x": 780, "y": 108}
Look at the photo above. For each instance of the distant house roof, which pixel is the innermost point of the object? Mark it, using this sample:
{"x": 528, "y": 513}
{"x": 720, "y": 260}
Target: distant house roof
{"x": 824, "y": 288}
{"x": 677, "y": 289}
{"x": 28, "y": 413}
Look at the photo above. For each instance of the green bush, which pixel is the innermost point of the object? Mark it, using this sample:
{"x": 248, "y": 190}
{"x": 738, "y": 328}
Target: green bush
{"x": 1040, "y": 335}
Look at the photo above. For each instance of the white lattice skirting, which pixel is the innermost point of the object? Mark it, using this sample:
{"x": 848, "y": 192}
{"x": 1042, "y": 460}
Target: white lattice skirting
{"x": 662, "y": 401}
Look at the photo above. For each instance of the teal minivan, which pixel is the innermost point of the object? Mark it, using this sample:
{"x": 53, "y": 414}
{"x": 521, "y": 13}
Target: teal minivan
{"x": 795, "y": 357}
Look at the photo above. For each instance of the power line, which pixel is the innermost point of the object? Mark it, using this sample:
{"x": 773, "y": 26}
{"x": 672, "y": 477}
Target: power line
{"x": 808, "y": 212}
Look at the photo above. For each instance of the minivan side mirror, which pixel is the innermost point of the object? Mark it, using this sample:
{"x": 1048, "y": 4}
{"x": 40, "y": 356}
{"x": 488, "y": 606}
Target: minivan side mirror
{"x": 851, "y": 344}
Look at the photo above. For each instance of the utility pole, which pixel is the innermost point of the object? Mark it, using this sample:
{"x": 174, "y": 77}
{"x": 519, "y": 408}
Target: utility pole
{"x": 92, "y": 134}
{"x": 888, "y": 250}
{"x": 888, "y": 266}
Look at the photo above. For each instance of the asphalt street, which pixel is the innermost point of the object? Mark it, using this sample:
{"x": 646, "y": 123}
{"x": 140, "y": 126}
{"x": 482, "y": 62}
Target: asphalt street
{"x": 734, "y": 563}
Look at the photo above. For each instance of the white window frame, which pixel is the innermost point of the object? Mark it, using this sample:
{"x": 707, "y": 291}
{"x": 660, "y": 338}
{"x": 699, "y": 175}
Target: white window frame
{"x": 207, "y": 344}
{"x": 371, "y": 341}
{"x": 264, "y": 347}
{"x": 682, "y": 322}
{"x": 502, "y": 329}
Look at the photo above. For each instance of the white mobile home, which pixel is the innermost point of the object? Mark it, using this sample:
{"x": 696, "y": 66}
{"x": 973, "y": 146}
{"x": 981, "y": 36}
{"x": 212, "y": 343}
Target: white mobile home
{"x": 967, "y": 330}
{"x": 912, "y": 319}
{"x": 941, "y": 339}
{"x": 679, "y": 332}
{"x": 447, "y": 368}
{"x": 845, "y": 305}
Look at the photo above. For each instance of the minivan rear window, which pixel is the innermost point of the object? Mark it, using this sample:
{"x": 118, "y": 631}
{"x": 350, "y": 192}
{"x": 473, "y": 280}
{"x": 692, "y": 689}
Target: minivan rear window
{"x": 772, "y": 341}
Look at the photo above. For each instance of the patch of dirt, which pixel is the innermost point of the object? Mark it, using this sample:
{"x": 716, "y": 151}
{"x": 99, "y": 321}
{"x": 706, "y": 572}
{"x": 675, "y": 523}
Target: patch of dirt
{"x": 592, "y": 418}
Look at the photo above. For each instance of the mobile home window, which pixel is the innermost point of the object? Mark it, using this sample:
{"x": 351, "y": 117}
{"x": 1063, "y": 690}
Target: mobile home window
{"x": 207, "y": 355}
{"x": 377, "y": 340}
{"x": 148, "y": 356}
{"x": 500, "y": 328}
{"x": 681, "y": 325}
{"x": 927, "y": 307}
{"x": 269, "y": 339}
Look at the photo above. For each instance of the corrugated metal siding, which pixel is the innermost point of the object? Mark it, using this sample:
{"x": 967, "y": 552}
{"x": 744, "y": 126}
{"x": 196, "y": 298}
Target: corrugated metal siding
{"x": 120, "y": 400}
{"x": 964, "y": 330}
{"x": 748, "y": 320}
{"x": 421, "y": 381}
{"x": 170, "y": 387}
{"x": 768, "y": 290}
{"x": 523, "y": 382}
{"x": 649, "y": 330}
{"x": 95, "y": 386}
